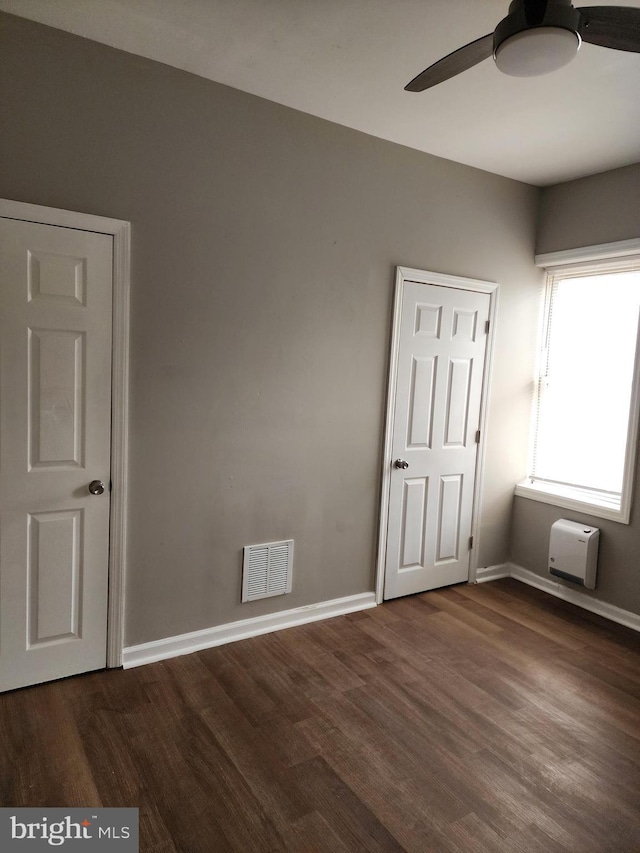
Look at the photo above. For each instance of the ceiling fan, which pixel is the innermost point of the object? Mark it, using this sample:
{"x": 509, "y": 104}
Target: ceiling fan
{"x": 537, "y": 37}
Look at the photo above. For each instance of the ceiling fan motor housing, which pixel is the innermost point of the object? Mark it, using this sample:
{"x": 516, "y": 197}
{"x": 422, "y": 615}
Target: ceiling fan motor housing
{"x": 525, "y": 16}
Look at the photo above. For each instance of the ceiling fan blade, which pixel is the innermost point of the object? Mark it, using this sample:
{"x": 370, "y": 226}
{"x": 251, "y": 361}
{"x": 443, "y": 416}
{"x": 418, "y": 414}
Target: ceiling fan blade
{"x": 452, "y": 64}
{"x": 617, "y": 27}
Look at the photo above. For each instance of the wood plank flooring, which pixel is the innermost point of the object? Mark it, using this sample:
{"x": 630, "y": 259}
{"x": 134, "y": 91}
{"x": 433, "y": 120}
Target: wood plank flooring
{"x": 489, "y": 718}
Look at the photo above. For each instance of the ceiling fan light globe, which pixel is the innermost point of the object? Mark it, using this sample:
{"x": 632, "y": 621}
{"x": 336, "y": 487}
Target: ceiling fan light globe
{"x": 537, "y": 51}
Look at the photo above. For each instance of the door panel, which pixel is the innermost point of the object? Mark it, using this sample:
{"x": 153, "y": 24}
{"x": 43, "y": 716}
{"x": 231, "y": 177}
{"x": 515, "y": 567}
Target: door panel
{"x": 421, "y": 401}
{"x": 55, "y": 576}
{"x": 436, "y": 413}
{"x": 413, "y": 520}
{"x": 448, "y": 529}
{"x": 55, "y": 427}
{"x": 457, "y": 404}
{"x": 56, "y": 398}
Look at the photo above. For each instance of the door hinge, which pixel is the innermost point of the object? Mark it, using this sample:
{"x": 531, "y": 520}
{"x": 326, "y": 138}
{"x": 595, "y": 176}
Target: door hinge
{"x": 470, "y": 542}
{"x": 487, "y": 326}
{"x": 478, "y": 437}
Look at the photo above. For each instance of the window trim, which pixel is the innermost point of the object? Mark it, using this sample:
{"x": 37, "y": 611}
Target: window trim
{"x": 601, "y": 252}
{"x": 622, "y": 255}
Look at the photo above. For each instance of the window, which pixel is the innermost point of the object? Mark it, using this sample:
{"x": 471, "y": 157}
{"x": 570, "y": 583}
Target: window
{"x": 586, "y": 397}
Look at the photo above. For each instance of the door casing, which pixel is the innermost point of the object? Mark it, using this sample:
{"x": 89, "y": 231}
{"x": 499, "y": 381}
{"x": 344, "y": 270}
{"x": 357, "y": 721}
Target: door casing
{"x": 120, "y": 231}
{"x": 406, "y": 274}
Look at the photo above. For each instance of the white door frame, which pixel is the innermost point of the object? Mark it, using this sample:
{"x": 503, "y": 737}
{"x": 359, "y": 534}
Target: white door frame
{"x": 405, "y": 274}
{"x": 121, "y": 233}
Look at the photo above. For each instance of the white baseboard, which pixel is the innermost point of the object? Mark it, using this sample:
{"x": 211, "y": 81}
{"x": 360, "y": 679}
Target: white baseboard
{"x": 492, "y": 573}
{"x": 184, "y": 644}
{"x": 573, "y": 596}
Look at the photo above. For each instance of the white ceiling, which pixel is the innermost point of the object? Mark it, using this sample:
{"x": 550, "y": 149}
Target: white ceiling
{"x": 348, "y": 61}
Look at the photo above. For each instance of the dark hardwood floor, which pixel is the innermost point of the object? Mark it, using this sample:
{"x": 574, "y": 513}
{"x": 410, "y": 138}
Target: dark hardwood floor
{"x": 475, "y": 718}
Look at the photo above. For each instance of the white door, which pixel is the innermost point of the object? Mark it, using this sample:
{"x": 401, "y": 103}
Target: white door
{"x": 55, "y": 423}
{"x": 440, "y": 366}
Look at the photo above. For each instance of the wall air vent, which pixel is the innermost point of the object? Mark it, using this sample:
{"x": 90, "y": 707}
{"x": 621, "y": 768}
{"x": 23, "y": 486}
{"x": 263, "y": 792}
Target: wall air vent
{"x": 267, "y": 569}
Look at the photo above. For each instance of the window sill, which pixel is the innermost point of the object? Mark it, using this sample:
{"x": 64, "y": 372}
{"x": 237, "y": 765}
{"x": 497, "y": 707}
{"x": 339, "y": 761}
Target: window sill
{"x": 576, "y": 499}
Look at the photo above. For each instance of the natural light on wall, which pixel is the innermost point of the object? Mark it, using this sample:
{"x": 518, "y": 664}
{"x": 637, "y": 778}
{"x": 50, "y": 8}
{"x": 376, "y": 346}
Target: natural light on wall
{"x": 582, "y": 412}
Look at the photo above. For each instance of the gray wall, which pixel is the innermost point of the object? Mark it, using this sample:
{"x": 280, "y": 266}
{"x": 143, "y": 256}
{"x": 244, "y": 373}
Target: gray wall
{"x": 600, "y": 209}
{"x": 264, "y": 245}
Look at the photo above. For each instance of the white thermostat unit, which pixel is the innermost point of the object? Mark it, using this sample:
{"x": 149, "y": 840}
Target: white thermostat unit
{"x": 573, "y": 552}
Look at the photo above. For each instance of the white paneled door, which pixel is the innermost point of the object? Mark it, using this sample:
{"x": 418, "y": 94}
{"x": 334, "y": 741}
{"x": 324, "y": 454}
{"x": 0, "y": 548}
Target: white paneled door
{"x": 440, "y": 366}
{"x": 55, "y": 422}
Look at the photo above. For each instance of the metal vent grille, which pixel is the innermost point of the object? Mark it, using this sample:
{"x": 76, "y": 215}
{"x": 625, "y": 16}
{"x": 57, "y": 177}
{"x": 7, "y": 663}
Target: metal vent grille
{"x": 266, "y": 570}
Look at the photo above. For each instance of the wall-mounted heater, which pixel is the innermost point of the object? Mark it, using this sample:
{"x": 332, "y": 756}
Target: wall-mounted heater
{"x": 573, "y": 552}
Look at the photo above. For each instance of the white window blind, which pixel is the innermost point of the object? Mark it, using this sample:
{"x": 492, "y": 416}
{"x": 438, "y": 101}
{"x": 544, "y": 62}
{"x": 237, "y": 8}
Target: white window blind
{"x": 585, "y": 381}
